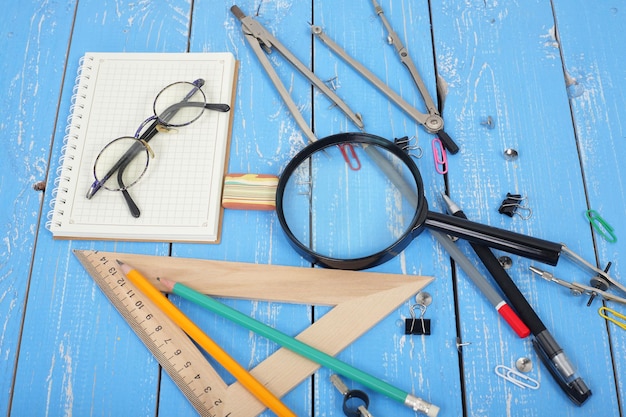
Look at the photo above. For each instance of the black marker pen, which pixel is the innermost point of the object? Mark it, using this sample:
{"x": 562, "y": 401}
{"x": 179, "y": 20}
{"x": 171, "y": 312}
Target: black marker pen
{"x": 549, "y": 351}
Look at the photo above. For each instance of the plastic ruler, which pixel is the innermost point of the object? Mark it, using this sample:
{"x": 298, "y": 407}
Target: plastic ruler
{"x": 174, "y": 351}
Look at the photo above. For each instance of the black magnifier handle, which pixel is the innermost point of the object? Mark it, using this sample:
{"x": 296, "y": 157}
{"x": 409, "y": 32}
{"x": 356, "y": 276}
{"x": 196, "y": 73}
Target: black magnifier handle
{"x": 511, "y": 242}
{"x": 529, "y": 247}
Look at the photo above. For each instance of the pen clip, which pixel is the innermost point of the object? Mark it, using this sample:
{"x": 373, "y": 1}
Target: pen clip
{"x": 576, "y": 390}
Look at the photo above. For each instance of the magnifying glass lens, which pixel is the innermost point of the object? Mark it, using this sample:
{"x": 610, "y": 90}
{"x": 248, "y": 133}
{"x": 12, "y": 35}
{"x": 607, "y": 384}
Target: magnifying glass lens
{"x": 341, "y": 203}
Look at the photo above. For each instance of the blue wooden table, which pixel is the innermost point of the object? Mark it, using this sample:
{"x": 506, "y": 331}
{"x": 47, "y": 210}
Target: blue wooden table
{"x": 546, "y": 78}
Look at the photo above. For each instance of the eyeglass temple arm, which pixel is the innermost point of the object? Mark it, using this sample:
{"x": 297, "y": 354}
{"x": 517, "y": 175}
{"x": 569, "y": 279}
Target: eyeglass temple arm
{"x": 150, "y": 132}
{"x": 132, "y": 206}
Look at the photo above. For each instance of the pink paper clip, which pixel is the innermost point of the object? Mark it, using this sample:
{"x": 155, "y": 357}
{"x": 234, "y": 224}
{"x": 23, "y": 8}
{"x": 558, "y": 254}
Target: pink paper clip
{"x": 352, "y": 159}
{"x": 440, "y": 156}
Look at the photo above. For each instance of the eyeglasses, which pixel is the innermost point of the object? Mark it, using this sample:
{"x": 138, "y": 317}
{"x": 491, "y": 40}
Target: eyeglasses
{"x": 124, "y": 161}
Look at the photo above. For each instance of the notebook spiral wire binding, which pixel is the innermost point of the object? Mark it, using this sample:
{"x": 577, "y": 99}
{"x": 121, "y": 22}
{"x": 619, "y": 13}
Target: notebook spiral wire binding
{"x": 70, "y": 145}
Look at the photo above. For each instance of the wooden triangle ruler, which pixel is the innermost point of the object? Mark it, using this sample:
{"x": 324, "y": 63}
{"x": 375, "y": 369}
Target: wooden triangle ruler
{"x": 360, "y": 300}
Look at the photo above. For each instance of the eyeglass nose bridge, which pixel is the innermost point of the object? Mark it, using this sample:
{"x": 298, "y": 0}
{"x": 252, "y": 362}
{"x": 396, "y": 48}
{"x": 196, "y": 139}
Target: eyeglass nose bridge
{"x": 148, "y": 147}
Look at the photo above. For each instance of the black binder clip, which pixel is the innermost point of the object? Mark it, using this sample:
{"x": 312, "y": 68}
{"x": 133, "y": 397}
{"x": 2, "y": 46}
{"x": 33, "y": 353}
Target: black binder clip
{"x": 404, "y": 143}
{"x": 419, "y": 325}
{"x": 512, "y": 205}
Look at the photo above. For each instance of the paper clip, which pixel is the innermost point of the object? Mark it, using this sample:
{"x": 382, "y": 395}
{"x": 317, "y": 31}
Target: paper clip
{"x": 601, "y": 226}
{"x": 515, "y": 377}
{"x": 352, "y": 160}
{"x": 440, "y": 156}
{"x": 622, "y": 323}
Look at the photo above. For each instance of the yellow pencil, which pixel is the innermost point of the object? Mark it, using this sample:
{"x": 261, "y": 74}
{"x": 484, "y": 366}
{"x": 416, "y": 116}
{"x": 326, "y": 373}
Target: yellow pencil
{"x": 236, "y": 370}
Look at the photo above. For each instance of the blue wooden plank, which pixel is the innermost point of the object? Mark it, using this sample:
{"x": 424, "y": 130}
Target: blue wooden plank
{"x": 597, "y": 94}
{"x": 35, "y": 40}
{"x": 425, "y": 365}
{"x": 77, "y": 354}
{"x": 501, "y": 65}
{"x": 264, "y": 137}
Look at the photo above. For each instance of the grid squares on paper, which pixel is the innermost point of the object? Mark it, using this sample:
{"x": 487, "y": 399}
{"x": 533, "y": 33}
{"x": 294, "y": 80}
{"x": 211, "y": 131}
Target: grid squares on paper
{"x": 182, "y": 186}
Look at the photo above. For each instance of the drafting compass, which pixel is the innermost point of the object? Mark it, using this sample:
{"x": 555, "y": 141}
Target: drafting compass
{"x": 580, "y": 289}
{"x": 261, "y": 41}
{"x": 432, "y": 121}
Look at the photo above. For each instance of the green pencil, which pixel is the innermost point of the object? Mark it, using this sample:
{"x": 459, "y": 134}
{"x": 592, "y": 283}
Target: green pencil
{"x": 301, "y": 348}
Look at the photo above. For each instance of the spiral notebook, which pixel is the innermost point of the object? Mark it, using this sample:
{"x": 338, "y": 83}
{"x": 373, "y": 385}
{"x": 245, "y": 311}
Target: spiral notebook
{"x": 180, "y": 194}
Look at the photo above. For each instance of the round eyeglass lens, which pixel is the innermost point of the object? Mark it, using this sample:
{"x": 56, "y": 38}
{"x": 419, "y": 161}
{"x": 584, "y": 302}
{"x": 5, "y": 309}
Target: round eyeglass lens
{"x": 121, "y": 163}
{"x": 342, "y": 213}
{"x": 179, "y": 104}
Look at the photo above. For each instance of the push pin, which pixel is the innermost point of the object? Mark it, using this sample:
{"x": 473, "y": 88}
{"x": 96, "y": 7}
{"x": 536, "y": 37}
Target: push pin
{"x": 510, "y": 154}
{"x": 419, "y": 325}
{"x": 460, "y": 344}
{"x": 512, "y": 205}
{"x": 332, "y": 84}
{"x": 352, "y": 397}
{"x": 488, "y": 122}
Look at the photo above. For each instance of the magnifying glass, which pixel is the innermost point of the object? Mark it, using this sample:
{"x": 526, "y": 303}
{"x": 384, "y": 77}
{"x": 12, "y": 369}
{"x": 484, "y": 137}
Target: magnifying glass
{"x": 362, "y": 218}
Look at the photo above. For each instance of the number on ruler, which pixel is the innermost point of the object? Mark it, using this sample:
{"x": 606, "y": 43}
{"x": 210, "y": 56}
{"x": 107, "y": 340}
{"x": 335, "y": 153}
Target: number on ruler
{"x": 170, "y": 346}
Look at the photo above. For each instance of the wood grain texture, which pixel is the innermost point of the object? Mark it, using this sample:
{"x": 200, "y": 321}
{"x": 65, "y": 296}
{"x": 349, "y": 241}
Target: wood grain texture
{"x": 595, "y": 85}
{"x": 545, "y": 77}
{"x": 369, "y": 296}
{"x": 407, "y": 359}
{"x": 286, "y": 284}
{"x": 507, "y": 67}
{"x": 62, "y": 310}
{"x": 34, "y": 38}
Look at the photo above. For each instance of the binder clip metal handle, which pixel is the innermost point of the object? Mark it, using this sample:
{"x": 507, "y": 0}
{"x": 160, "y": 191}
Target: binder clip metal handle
{"x": 419, "y": 325}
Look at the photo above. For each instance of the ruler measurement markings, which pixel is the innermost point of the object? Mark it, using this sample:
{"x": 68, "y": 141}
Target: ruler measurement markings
{"x": 175, "y": 354}
{"x": 284, "y": 371}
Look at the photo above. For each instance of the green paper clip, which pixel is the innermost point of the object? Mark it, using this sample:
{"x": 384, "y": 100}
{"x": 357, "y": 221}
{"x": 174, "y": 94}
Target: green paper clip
{"x": 601, "y": 226}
